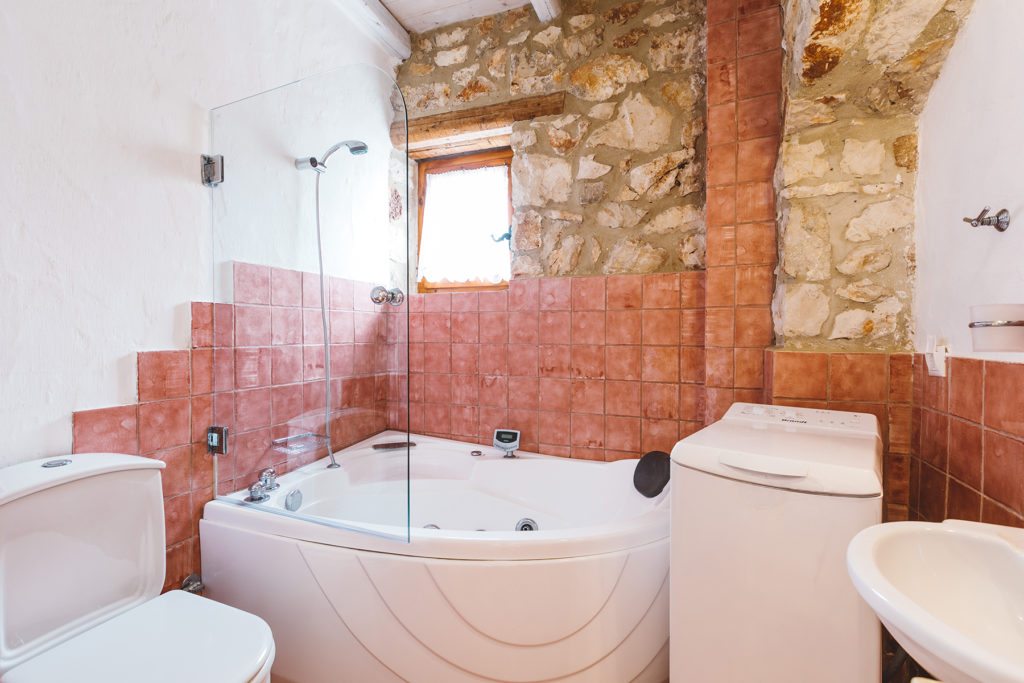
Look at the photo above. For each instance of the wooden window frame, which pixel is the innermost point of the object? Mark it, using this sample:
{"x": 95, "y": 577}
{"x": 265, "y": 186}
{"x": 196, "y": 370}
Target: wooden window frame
{"x": 460, "y": 162}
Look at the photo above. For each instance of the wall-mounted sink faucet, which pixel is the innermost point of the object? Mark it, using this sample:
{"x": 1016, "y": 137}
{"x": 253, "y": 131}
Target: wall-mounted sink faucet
{"x": 1000, "y": 221}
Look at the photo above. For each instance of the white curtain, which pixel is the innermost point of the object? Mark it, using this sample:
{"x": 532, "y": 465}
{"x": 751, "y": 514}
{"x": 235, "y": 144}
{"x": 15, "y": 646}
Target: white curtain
{"x": 462, "y": 210}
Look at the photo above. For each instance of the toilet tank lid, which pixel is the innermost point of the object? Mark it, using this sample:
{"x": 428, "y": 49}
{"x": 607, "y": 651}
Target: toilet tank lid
{"x": 18, "y": 481}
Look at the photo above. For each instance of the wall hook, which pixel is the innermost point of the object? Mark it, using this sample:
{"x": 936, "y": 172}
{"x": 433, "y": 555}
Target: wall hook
{"x": 1001, "y": 221}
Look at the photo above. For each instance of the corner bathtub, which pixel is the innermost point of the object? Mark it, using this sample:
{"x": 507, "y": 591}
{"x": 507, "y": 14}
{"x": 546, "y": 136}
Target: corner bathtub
{"x": 584, "y": 598}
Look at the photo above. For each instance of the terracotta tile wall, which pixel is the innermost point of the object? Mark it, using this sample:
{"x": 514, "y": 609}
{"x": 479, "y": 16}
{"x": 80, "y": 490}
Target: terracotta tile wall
{"x": 968, "y": 443}
{"x": 877, "y": 383}
{"x": 744, "y": 120}
{"x": 589, "y": 367}
{"x": 257, "y": 367}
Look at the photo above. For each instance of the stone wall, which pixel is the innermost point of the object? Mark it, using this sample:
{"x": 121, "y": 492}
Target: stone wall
{"x": 616, "y": 183}
{"x": 857, "y": 75}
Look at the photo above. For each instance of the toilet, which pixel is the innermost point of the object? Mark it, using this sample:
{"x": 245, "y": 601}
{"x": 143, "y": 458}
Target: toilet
{"x": 81, "y": 570}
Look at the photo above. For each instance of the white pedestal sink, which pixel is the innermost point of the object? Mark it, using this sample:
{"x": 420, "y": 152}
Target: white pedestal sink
{"x": 952, "y": 594}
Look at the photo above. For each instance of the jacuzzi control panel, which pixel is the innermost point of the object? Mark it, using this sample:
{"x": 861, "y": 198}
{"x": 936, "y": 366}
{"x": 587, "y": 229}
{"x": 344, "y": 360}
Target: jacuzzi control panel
{"x": 507, "y": 440}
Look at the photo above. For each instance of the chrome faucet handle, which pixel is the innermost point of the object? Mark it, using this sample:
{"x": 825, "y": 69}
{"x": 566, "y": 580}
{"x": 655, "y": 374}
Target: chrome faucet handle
{"x": 980, "y": 220}
{"x": 1001, "y": 221}
{"x": 268, "y": 478}
{"x": 257, "y": 494}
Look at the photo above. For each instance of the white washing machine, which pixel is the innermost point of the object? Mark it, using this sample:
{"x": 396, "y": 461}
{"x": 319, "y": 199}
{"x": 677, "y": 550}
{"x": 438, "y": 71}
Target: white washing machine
{"x": 764, "y": 503}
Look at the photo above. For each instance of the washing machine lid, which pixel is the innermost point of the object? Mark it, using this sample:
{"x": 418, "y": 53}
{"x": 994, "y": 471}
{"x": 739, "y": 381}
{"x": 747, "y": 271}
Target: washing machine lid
{"x": 173, "y": 638}
{"x": 799, "y": 449}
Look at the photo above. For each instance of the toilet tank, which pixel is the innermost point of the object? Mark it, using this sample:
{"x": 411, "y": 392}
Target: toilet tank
{"x": 81, "y": 541}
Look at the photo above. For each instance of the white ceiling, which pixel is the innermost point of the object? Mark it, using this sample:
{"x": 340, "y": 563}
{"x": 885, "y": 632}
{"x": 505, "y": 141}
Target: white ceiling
{"x": 420, "y": 16}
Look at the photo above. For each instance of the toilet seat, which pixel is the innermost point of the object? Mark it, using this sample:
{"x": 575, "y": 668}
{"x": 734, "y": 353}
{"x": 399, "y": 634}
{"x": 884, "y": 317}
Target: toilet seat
{"x": 172, "y": 638}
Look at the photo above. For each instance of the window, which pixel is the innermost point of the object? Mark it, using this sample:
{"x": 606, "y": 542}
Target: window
{"x": 465, "y": 214}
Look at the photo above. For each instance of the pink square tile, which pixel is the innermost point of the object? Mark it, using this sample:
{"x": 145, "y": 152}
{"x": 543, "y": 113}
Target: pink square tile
{"x": 659, "y": 435}
{"x": 311, "y": 290}
{"x": 286, "y": 364}
{"x": 622, "y": 433}
{"x": 163, "y": 375}
{"x": 555, "y": 293}
{"x": 224, "y": 410}
{"x": 588, "y": 327}
{"x": 465, "y": 359}
{"x": 178, "y": 519}
{"x": 523, "y": 360}
{"x": 437, "y": 357}
{"x": 691, "y": 402}
{"x": 202, "y": 371}
{"x": 523, "y": 393}
{"x": 106, "y": 430}
{"x": 342, "y": 328}
{"x": 661, "y": 290}
{"x": 588, "y": 362}
{"x": 587, "y": 431}
{"x": 493, "y": 301}
{"x": 553, "y": 428}
{"x": 252, "y": 283}
{"x": 660, "y": 364}
{"x": 465, "y": 421}
{"x": 691, "y": 289}
{"x": 465, "y": 302}
{"x": 286, "y": 403}
{"x": 494, "y": 391}
{"x": 285, "y": 325}
{"x": 493, "y": 359}
{"x": 253, "y": 367}
{"x": 466, "y": 327}
{"x": 528, "y": 423}
{"x": 341, "y": 293}
{"x": 588, "y": 293}
{"x": 691, "y": 327}
{"x": 587, "y": 396}
{"x": 223, "y": 369}
{"x": 176, "y": 477}
{"x": 622, "y": 398}
{"x": 436, "y": 327}
{"x": 312, "y": 326}
{"x": 555, "y": 395}
{"x": 285, "y": 287}
{"x": 202, "y": 324}
{"x": 660, "y": 401}
{"x": 314, "y": 363}
{"x": 465, "y": 390}
{"x": 366, "y": 327}
{"x": 622, "y": 362}
{"x": 523, "y": 326}
{"x": 625, "y": 291}
{"x": 622, "y": 327}
{"x": 342, "y": 360}
{"x": 691, "y": 364}
{"x": 554, "y": 360}
{"x": 661, "y": 327}
{"x": 164, "y": 424}
{"x": 223, "y": 325}
{"x": 524, "y": 294}
{"x": 437, "y": 302}
{"x": 438, "y": 417}
{"x": 555, "y": 327}
{"x": 252, "y": 409}
{"x": 252, "y": 326}
{"x": 494, "y": 327}
{"x": 437, "y": 389}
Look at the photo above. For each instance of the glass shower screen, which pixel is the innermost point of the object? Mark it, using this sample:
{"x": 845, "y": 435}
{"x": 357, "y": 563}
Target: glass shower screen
{"x": 311, "y": 262}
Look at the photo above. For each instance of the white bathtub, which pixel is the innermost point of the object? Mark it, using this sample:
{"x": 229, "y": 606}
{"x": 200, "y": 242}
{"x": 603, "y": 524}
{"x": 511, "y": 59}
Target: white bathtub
{"x": 584, "y": 598}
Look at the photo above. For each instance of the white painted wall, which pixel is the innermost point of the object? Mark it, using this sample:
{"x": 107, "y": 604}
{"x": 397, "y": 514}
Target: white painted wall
{"x": 104, "y": 227}
{"x": 971, "y": 142}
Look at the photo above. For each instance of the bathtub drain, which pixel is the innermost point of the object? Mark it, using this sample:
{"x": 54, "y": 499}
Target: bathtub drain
{"x": 527, "y": 524}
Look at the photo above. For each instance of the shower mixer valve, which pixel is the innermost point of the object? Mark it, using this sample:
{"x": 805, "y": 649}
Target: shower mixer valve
{"x": 383, "y": 295}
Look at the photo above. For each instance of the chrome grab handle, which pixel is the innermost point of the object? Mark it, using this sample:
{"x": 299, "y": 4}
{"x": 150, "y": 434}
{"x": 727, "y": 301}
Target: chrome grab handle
{"x": 383, "y": 295}
{"x": 979, "y": 324}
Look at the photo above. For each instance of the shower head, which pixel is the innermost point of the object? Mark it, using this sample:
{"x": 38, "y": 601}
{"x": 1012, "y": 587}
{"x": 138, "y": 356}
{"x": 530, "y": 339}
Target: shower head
{"x": 355, "y": 147}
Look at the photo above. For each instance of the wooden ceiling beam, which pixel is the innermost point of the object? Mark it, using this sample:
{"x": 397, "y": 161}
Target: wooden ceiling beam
{"x": 478, "y": 122}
